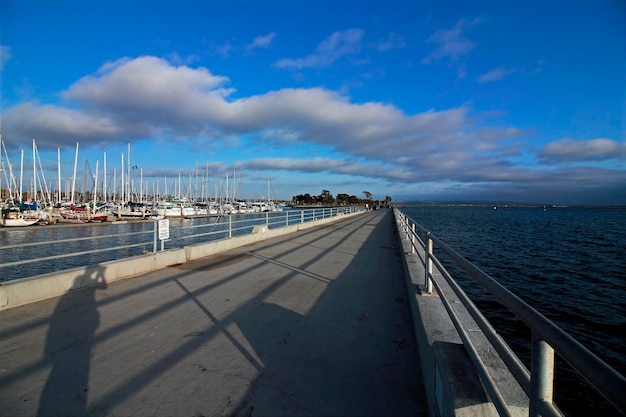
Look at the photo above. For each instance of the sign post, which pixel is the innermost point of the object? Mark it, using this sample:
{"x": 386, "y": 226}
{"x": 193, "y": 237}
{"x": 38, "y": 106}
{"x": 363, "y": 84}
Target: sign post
{"x": 164, "y": 231}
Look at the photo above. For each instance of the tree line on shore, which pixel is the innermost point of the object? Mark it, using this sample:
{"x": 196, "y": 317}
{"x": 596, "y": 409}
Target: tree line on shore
{"x": 327, "y": 199}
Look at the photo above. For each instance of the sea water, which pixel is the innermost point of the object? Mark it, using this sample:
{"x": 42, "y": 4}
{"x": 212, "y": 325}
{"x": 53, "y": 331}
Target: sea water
{"x": 567, "y": 263}
{"x": 94, "y": 242}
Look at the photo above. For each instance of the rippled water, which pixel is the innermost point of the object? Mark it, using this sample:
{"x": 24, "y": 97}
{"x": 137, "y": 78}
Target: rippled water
{"x": 568, "y": 263}
{"x": 101, "y": 236}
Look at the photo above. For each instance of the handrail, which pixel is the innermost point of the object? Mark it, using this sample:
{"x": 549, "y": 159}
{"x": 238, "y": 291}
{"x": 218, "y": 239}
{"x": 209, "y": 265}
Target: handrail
{"x": 235, "y": 225}
{"x": 547, "y": 337}
{"x": 78, "y": 239}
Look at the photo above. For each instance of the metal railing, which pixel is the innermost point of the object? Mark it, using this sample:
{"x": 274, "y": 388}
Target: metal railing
{"x": 181, "y": 234}
{"x": 546, "y": 337}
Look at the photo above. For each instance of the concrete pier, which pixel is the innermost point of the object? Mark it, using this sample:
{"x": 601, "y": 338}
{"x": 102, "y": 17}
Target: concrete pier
{"x": 313, "y": 323}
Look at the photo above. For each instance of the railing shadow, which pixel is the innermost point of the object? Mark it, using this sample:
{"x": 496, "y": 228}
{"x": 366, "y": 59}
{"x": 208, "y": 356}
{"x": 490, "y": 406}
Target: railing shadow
{"x": 70, "y": 343}
{"x": 68, "y": 349}
{"x": 352, "y": 353}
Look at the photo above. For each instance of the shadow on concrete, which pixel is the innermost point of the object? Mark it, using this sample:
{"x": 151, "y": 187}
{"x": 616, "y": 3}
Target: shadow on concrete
{"x": 353, "y": 353}
{"x": 217, "y": 325}
{"x": 68, "y": 348}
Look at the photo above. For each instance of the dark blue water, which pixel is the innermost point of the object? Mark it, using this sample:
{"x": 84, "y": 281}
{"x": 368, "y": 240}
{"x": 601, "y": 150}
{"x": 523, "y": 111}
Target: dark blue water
{"x": 568, "y": 263}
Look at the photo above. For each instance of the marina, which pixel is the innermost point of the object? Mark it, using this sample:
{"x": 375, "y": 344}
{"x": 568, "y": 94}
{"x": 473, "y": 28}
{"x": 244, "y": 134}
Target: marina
{"x": 44, "y": 204}
{"x": 34, "y": 250}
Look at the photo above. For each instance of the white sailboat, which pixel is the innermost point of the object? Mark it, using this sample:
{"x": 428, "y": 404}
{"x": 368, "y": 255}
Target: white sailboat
{"x": 17, "y": 219}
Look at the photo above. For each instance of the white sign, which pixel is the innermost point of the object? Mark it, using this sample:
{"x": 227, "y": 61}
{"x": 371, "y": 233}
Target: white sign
{"x": 164, "y": 229}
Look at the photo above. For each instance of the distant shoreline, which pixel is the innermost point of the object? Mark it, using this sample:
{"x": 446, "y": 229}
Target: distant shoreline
{"x": 508, "y": 205}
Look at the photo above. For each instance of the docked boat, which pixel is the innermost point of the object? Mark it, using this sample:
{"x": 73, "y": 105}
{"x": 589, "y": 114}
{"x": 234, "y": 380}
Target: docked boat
{"x": 17, "y": 219}
{"x": 82, "y": 217}
{"x": 260, "y": 207}
{"x": 175, "y": 209}
{"x": 132, "y": 210}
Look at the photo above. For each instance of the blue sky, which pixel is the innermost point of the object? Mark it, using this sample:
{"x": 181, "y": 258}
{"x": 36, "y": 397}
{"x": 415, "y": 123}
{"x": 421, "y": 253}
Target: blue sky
{"x": 452, "y": 100}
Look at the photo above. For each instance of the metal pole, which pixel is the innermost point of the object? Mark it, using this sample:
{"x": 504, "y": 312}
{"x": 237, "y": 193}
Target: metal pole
{"x": 230, "y": 226}
{"x": 541, "y": 374}
{"x": 154, "y": 246}
{"x": 413, "y": 239}
{"x": 429, "y": 263}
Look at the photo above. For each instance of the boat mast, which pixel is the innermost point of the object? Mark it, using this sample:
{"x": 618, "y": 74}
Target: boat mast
{"x": 45, "y": 191}
{"x": 104, "y": 174}
{"x": 95, "y": 191}
{"x": 74, "y": 176}
{"x": 34, "y": 196}
{"x": 129, "y": 192}
{"x": 114, "y": 184}
{"x": 123, "y": 193}
{"x": 21, "y": 173}
{"x": 206, "y": 181}
{"x": 59, "y": 174}
{"x": 195, "y": 197}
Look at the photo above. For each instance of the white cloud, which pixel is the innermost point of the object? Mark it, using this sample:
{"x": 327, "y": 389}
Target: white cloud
{"x": 599, "y": 149}
{"x": 5, "y": 55}
{"x": 261, "y": 42}
{"x": 451, "y": 43}
{"x": 393, "y": 41}
{"x": 331, "y": 49}
{"x": 55, "y": 126}
{"x": 148, "y": 97}
{"x": 495, "y": 74}
{"x": 334, "y": 166}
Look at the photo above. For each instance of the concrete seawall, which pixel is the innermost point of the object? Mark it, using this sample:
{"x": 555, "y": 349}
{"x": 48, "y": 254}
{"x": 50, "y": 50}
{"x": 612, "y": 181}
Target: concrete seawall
{"x": 40, "y": 287}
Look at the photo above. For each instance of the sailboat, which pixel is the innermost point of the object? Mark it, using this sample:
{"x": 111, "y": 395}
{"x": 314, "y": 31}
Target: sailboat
{"x": 17, "y": 219}
{"x": 16, "y": 213}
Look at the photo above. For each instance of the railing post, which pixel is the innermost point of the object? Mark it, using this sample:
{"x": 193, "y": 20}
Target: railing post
{"x": 267, "y": 219}
{"x": 302, "y": 216}
{"x": 428, "y": 264}
{"x": 541, "y": 374}
{"x": 412, "y": 238}
{"x": 405, "y": 227}
{"x": 286, "y": 218}
{"x": 154, "y": 246}
{"x": 230, "y": 226}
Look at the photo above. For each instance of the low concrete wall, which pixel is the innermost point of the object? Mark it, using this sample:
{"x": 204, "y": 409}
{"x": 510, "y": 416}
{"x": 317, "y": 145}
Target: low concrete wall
{"x": 32, "y": 289}
{"x": 259, "y": 233}
{"x": 29, "y": 290}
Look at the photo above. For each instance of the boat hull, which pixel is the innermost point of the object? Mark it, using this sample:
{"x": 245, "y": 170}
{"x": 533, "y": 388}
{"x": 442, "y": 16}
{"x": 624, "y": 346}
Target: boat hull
{"x": 18, "y": 222}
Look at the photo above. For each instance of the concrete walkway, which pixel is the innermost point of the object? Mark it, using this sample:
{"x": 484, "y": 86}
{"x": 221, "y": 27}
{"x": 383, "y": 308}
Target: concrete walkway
{"x": 315, "y": 323}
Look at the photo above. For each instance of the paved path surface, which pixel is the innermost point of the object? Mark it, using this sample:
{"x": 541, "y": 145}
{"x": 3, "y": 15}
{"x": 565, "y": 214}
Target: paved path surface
{"x": 315, "y": 323}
